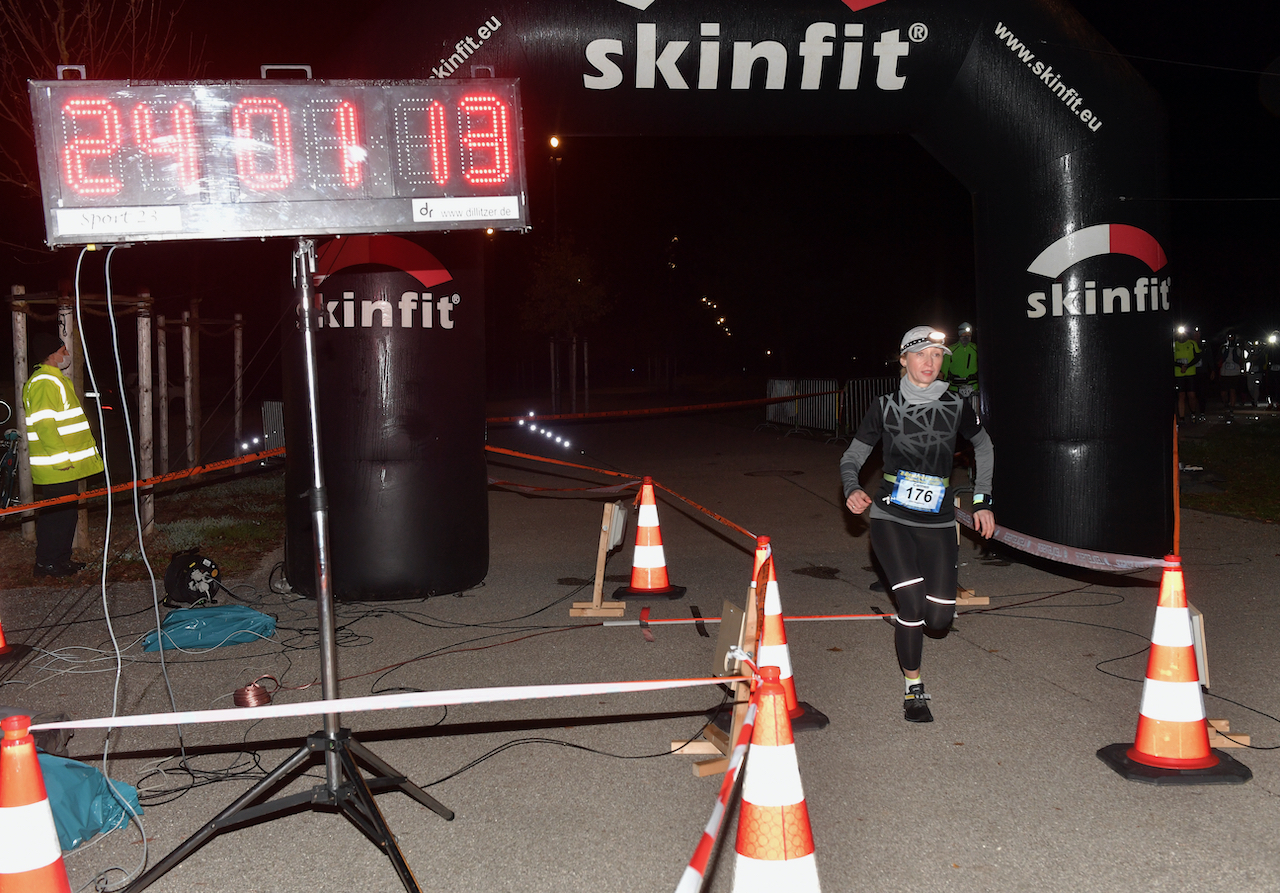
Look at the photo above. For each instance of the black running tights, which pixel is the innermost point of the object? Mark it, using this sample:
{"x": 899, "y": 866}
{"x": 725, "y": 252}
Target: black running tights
{"x": 920, "y": 563}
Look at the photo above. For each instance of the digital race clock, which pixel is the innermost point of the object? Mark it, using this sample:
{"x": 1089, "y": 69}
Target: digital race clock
{"x": 125, "y": 161}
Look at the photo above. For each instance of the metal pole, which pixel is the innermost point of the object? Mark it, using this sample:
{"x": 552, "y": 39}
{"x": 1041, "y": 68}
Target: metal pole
{"x": 238, "y": 361}
{"x": 26, "y": 492}
{"x": 67, "y": 331}
{"x": 187, "y": 388}
{"x": 162, "y": 385}
{"x": 304, "y": 266}
{"x": 146, "y": 421}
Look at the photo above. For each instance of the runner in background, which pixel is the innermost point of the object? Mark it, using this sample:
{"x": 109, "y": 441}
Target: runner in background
{"x": 913, "y": 511}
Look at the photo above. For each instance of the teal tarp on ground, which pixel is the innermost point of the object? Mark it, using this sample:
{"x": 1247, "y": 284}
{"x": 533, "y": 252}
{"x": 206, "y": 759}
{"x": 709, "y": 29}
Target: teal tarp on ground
{"x": 82, "y": 804}
{"x": 210, "y": 627}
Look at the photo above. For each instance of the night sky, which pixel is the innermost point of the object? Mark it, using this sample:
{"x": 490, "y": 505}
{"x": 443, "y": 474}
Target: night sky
{"x": 815, "y": 248}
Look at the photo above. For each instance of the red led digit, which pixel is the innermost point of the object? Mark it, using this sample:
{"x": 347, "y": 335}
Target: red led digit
{"x": 352, "y": 153}
{"x": 439, "y": 143}
{"x": 281, "y": 138}
{"x": 180, "y": 142}
{"x": 74, "y": 170}
{"x": 495, "y": 142}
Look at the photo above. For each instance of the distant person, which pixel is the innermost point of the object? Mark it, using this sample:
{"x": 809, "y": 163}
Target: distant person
{"x": 1230, "y": 372}
{"x": 1271, "y": 370}
{"x": 960, "y": 367}
{"x": 913, "y": 511}
{"x": 62, "y": 452}
{"x": 1186, "y": 364}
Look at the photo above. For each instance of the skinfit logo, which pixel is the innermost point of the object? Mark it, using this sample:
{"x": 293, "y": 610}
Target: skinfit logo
{"x": 1149, "y": 293}
{"x": 413, "y": 310}
{"x": 714, "y": 66}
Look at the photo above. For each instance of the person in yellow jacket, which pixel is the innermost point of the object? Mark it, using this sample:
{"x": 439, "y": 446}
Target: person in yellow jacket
{"x": 62, "y": 451}
{"x": 960, "y": 367}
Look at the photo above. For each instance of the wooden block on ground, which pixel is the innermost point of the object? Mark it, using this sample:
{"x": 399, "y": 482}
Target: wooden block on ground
{"x": 703, "y": 768}
{"x": 1220, "y": 727}
{"x": 697, "y": 746}
{"x": 591, "y": 609}
{"x": 966, "y": 597}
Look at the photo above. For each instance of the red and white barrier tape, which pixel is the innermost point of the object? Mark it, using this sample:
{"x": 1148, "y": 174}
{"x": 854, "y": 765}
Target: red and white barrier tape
{"x": 401, "y": 701}
{"x": 1102, "y": 561}
{"x": 691, "y": 880}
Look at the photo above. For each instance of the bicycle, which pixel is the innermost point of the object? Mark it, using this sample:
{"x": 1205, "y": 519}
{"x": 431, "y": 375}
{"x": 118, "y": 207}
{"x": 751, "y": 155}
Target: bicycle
{"x": 8, "y": 460}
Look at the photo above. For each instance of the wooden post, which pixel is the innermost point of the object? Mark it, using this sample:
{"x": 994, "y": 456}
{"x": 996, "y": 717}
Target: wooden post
{"x": 714, "y": 739}
{"x": 586, "y": 378}
{"x": 196, "y": 415}
{"x": 238, "y": 363}
{"x": 21, "y": 368}
{"x": 189, "y": 414}
{"x": 573, "y": 375}
{"x": 614, "y": 515}
{"x": 146, "y": 420}
{"x": 162, "y": 386}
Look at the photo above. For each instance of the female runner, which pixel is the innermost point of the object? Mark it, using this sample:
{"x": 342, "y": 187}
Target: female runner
{"x": 913, "y": 510}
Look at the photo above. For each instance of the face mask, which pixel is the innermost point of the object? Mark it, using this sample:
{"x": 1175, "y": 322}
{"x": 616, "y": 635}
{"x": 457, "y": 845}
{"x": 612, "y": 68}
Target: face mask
{"x": 65, "y": 365}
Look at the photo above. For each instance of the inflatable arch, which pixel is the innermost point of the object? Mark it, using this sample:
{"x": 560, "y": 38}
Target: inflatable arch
{"x": 1021, "y": 100}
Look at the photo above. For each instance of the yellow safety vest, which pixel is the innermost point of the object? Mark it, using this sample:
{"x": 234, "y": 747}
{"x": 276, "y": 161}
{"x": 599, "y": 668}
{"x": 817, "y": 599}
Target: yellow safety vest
{"x": 58, "y": 436}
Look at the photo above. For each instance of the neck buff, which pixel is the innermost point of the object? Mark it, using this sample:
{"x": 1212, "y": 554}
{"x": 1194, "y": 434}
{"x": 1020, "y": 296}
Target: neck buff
{"x": 915, "y": 395}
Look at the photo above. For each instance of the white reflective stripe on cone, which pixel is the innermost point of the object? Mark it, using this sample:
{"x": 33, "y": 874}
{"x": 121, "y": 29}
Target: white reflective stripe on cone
{"x": 772, "y": 601}
{"x": 776, "y": 876}
{"x": 773, "y": 776}
{"x": 648, "y": 516}
{"x": 28, "y": 838}
{"x": 775, "y": 656}
{"x": 1173, "y": 627}
{"x": 1172, "y": 701}
{"x": 649, "y": 556}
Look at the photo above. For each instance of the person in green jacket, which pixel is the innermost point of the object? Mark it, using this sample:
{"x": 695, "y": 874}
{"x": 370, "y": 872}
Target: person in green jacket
{"x": 960, "y": 368}
{"x": 1186, "y": 363}
{"x": 62, "y": 451}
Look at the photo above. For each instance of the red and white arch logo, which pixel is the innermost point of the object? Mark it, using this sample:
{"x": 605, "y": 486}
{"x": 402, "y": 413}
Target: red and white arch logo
{"x": 1149, "y": 293}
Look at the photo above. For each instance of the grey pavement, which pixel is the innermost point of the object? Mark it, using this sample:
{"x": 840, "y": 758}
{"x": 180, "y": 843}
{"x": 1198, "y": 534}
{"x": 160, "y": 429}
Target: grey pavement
{"x": 1002, "y": 793}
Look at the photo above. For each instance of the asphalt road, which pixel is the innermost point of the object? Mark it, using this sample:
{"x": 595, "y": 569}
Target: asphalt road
{"x": 1003, "y": 792}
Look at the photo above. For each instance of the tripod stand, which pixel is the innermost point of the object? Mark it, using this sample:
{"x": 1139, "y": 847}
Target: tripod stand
{"x": 354, "y": 796}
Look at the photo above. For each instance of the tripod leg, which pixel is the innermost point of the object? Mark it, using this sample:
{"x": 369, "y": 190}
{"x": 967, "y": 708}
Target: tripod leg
{"x": 374, "y": 762}
{"x": 365, "y": 815}
{"x": 224, "y": 818}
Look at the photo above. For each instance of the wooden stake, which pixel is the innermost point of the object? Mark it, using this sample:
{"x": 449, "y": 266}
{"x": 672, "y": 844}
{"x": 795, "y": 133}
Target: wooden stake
{"x": 596, "y": 607}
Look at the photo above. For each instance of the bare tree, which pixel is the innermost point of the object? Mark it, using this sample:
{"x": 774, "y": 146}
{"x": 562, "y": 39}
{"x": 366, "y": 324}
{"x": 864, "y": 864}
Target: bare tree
{"x": 111, "y": 38}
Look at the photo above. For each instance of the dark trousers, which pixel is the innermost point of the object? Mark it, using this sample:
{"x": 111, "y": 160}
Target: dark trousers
{"x": 56, "y": 525}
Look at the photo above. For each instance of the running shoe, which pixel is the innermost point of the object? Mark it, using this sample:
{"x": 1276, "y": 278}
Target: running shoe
{"x": 915, "y": 707}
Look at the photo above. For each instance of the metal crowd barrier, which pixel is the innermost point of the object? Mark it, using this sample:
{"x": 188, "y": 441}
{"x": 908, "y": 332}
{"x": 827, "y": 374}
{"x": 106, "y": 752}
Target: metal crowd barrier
{"x": 835, "y": 414}
{"x": 859, "y": 394}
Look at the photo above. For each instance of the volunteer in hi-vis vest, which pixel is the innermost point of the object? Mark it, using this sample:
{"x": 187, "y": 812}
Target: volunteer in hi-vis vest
{"x": 960, "y": 367}
{"x": 1186, "y": 362}
{"x": 62, "y": 452}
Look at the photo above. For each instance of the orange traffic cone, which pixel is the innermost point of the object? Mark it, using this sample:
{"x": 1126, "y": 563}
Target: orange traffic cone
{"x": 30, "y": 855}
{"x": 649, "y": 566}
{"x": 773, "y": 644}
{"x": 10, "y": 652}
{"x": 775, "y": 841}
{"x": 1172, "y": 742}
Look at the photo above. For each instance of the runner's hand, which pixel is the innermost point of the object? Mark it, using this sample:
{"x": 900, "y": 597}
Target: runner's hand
{"x": 984, "y": 521}
{"x": 858, "y": 502}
